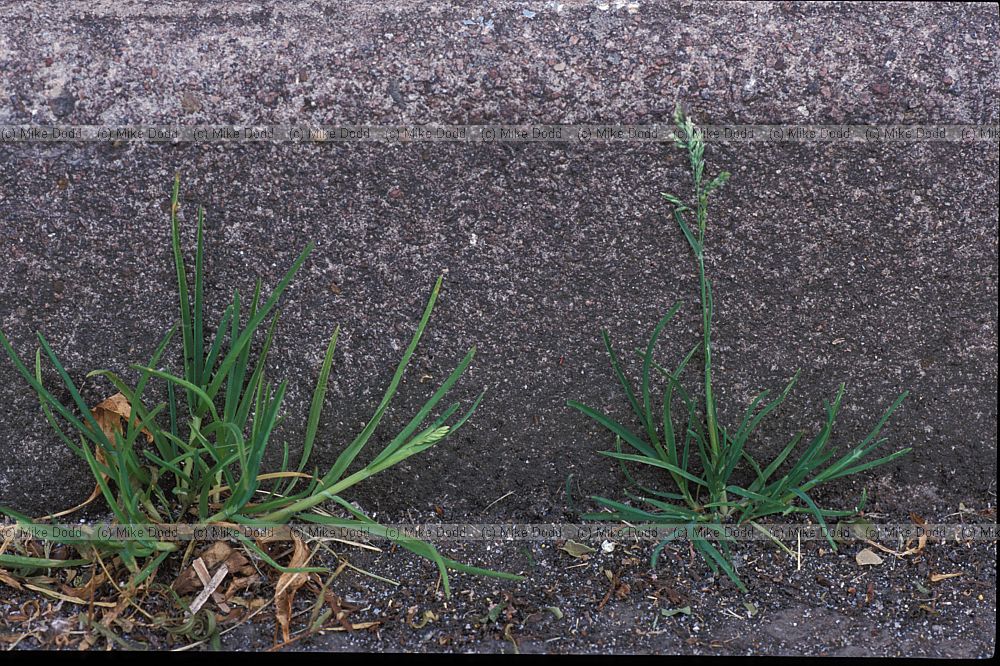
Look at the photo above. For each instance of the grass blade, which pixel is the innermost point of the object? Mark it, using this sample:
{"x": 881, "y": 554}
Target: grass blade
{"x": 647, "y": 415}
{"x": 415, "y": 422}
{"x": 351, "y": 452}
{"x": 197, "y": 316}
{"x": 817, "y": 513}
{"x": 316, "y": 408}
{"x": 241, "y": 343}
{"x": 655, "y": 462}
{"x": 616, "y": 368}
{"x": 712, "y": 555}
{"x": 615, "y": 427}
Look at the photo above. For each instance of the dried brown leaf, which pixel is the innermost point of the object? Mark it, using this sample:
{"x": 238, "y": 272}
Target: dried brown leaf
{"x": 216, "y": 553}
{"x": 340, "y": 609}
{"x": 288, "y": 585}
{"x": 110, "y": 414}
{"x": 5, "y": 578}
{"x": 426, "y": 618}
{"x": 89, "y": 588}
{"x": 921, "y": 543}
{"x": 240, "y": 584}
{"x": 239, "y": 564}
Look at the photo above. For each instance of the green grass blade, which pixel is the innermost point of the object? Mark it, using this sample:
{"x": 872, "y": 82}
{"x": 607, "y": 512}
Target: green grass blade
{"x": 140, "y": 386}
{"x": 686, "y": 230}
{"x": 776, "y": 463}
{"x": 187, "y": 329}
{"x": 633, "y": 482}
{"x": 625, "y": 512}
{"x": 671, "y": 509}
{"x": 26, "y": 562}
{"x": 670, "y": 440}
{"x": 814, "y": 454}
{"x": 100, "y": 471}
{"x": 762, "y": 501}
{"x": 616, "y": 368}
{"x": 197, "y": 316}
{"x": 615, "y": 427}
{"x": 869, "y": 465}
{"x": 216, "y": 348}
{"x": 234, "y": 375}
{"x": 817, "y": 513}
{"x": 351, "y": 452}
{"x": 860, "y": 451}
{"x": 421, "y": 416}
{"x": 658, "y": 550}
{"x": 47, "y": 410}
{"x": 195, "y": 391}
{"x": 421, "y": 548}
{"x": 98, "y": 434}
{"x": 647, "y": 403}
{"x": 243, "y": 406}
{"x": 734, "y": 452}
{"x": 150, "y": 567}
{"x": 262, "y": 554}
{"x": 240, "y": 344}
{"x": 316, "y": 408}
{"x": 465, "y": 417}
{"x": 654, "y": 462}
{"x": 712, "y": 555}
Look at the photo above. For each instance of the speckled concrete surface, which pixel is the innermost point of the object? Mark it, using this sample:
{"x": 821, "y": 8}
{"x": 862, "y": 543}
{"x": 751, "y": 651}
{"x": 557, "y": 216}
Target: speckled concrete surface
{"x": 871, "y": 264}
{"x": 244, "y": 62}
{"x": 543, "y": 245}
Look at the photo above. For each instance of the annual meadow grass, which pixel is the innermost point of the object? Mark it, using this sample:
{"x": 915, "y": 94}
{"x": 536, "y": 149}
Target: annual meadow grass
{"x": 198, "y": 456}
{"x": 696, "y": 454}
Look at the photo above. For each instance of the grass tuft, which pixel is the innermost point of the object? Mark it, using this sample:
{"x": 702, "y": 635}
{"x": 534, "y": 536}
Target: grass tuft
{"x": 698, "y": 454}
{"x": 206, "y": 443}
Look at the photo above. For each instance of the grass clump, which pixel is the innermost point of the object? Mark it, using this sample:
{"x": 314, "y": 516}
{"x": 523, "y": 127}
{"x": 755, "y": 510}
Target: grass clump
{"x": 699, "y": 455}
{"x": 197, "y": 457}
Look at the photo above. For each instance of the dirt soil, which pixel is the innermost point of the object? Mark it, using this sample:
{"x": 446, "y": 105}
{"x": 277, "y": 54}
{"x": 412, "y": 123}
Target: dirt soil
{"x": 873, "y": 264}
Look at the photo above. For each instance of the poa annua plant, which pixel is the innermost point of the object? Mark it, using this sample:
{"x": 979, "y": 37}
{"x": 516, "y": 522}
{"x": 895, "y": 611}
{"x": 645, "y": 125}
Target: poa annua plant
{"x": 199, "y": 454}
{"x": 699, "y": 455}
